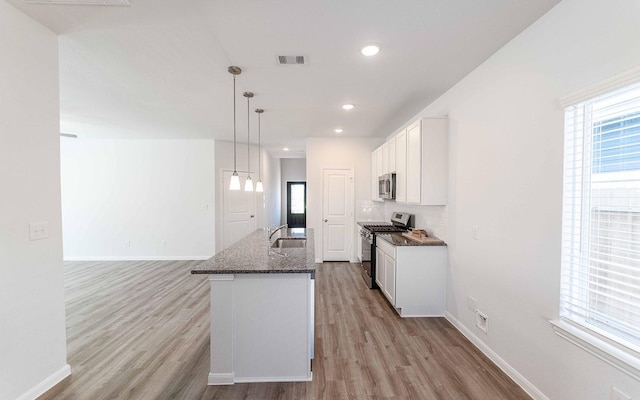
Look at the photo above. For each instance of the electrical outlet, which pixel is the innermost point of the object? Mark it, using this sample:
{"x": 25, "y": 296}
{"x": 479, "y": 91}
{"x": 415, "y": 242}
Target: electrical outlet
{"x": 128, "y": 243}
{"x": 616, "y": 394}
{"x": 475, "y": 232}
{"x": 471, "y": 304}
{"x": 482, "y": 321}
{"x": 164, "y": 243}
{"x": 38, "y": 230}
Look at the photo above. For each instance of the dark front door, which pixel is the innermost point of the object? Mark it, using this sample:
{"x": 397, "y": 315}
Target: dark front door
{"x": 297, "y": 204}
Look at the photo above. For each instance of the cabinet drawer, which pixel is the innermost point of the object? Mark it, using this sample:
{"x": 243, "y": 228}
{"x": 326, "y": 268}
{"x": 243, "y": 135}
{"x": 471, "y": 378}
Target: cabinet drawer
{"x": 386, "y": 247}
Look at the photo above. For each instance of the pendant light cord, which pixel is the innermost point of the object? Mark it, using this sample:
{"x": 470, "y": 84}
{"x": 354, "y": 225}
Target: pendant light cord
{"x": 259, "y": 152}
{"x": 248, "y": 140}
{"x": 235, "y": 170}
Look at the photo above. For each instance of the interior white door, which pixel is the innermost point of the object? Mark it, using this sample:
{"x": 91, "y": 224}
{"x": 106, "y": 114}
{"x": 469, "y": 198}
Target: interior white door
{"x": 238, "y": 211}
{"x": 337, "y": 226}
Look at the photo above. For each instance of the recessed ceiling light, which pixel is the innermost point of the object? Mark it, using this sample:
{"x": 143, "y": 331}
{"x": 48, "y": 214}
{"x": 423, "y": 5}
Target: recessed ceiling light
{"x": 285, "y": 149}
{"x": 348, "y": 106}
{"x": 338, "y": 130}
{"x": 370, "y": 50}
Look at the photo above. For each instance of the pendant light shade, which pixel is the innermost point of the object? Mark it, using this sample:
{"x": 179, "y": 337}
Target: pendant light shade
{"x": 234, "y": 184}
{"x": 259, "y": 187}
{"x": 248, "y": 185}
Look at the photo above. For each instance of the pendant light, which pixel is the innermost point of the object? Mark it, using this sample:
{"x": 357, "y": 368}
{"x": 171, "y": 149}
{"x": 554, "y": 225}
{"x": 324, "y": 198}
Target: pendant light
{"x": 235, "y": 179}
{"x": 248, "y": 184}
{"x": 259, "y": 187}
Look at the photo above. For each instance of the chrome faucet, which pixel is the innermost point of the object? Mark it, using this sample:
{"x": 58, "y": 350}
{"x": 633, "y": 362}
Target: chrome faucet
{"x": 272, "y": 231}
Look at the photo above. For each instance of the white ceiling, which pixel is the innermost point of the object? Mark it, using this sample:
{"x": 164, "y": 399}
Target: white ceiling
{"x": 158, "y": 68}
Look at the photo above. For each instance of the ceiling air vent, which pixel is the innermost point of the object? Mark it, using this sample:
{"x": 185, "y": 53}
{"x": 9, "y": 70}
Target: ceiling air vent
{"x": 292, "y": 60}
{"x": 81, "y": 2}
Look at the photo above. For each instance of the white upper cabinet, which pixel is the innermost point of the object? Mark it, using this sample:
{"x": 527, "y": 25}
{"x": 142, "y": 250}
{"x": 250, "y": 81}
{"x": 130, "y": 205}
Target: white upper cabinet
{"x": 414, "y": 162}
{"x": 401, "y": 167}
{"x": 426, "y": 157}
{"x": 419, "y": 156}
{"x": 385, "y": 159}
{"x": 391, "y": 143}
{"x": 376, "y": 171}
{"x": 379, "y": 161}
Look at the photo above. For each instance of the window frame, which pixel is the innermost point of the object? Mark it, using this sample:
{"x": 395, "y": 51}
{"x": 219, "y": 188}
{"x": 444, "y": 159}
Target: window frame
{"x": 589, "y": 337}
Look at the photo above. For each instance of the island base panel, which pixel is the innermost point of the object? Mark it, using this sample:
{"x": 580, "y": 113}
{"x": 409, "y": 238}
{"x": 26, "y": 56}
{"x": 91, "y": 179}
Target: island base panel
{"x": 260, "y": 328}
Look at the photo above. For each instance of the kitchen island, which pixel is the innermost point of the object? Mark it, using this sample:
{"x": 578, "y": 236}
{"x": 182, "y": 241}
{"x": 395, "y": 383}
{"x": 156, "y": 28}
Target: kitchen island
{"x": 262, "y": 308}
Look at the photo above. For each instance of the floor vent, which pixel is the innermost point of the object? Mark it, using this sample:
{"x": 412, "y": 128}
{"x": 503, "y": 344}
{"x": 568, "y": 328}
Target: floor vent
{"x": 292, "y": 60}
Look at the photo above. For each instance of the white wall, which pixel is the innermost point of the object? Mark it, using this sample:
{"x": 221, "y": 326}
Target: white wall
{"x": 271, "y": 176}
{"x": 32, "y": 315}
{"x": 506, "y": 178}
{"x": 267, "y": 203}
{"x": 292, "y": 170}
{"x": 137, "y": 199}
{"x": 337, "y": 153}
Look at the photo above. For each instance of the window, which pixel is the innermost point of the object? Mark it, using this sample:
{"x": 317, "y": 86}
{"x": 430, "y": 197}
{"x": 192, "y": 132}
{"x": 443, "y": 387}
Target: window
{"x": 297, "y": 198}
{"x": 600, "y": 288}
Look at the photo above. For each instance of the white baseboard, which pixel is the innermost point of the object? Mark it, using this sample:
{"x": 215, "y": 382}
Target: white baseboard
{"x": 275, "y": 379}
{"x": 493, "y": 356}
{"x": 139, "y": 258}
{"x": 229, "y": 379}
{"x": 220, "y": 379}
{"x": 46, "y": 384}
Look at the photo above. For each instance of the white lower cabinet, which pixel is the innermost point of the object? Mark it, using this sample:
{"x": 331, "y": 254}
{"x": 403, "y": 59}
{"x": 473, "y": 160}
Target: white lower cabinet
{"x": 386, "y": 270}
{"x": 412, "y": 278}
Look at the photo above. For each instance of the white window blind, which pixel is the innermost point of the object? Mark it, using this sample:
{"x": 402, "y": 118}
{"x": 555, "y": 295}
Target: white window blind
{"x": 600, "y": 287}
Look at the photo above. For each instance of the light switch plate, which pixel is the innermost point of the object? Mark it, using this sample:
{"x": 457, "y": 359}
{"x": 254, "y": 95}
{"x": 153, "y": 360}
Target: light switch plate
{"x": 471, "y": 304}
{"x": 482, "y": 321}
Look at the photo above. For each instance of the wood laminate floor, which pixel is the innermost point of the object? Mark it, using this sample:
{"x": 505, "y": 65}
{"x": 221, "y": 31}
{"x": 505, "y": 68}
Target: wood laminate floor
{"x": 140, "y": 330}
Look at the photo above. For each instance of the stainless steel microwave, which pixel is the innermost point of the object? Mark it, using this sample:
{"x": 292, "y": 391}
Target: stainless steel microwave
{"x": 387, "y": 186}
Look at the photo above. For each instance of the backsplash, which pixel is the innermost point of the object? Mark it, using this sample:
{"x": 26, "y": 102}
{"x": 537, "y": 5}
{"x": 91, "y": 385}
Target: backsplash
{"x": 367, "y": 210}
{"x": 434, "y": 219}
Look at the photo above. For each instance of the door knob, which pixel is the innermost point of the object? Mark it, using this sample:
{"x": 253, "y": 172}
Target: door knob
{"x": 251, "y": 216}
{"x": 326, "y": 220}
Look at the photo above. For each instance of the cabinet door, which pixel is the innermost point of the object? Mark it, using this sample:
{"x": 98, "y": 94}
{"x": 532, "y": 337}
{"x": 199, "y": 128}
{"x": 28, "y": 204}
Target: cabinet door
{"x": 435, "y": 162}
{"x": 401, "y": 167}
{"x": 380, "y": 268}
{"x": 392, "y": 154}
{"x": 390, "y": 278}
{"x": 385, "y": 159}
{"x": 380, "y": 166}
{"x": 374, "y": 175}
{"x": 414, "y": 162}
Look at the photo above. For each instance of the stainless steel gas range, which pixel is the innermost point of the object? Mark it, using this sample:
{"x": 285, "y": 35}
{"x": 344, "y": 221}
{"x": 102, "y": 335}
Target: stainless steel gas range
{"x": 400, "y": 222}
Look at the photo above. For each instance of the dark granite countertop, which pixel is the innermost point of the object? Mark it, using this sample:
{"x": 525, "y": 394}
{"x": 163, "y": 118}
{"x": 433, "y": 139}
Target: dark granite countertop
{"x": 397, "y": 239}
{"x": 253, "y": 255}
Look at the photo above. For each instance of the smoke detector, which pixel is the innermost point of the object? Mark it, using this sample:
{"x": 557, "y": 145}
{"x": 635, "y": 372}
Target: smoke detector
{"x": 292, "y": 60}
{"x": 81, "y": 2}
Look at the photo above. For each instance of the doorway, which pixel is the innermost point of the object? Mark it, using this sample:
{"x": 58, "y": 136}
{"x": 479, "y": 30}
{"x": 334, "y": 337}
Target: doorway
{"x": 297, "y": 204}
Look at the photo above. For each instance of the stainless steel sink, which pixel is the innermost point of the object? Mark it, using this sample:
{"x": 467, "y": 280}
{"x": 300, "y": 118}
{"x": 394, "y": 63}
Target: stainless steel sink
{"x": 285, "y": 243}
